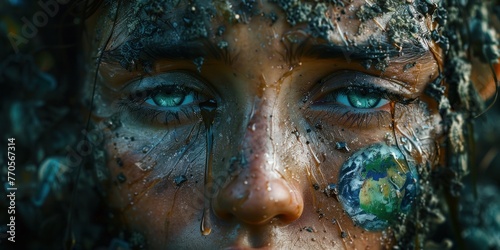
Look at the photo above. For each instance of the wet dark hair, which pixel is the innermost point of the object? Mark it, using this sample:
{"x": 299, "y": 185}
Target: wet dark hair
{"x": 72, "y": 215}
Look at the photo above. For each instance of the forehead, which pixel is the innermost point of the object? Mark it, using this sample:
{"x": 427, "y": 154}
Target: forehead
{"x": 350, "y": 23}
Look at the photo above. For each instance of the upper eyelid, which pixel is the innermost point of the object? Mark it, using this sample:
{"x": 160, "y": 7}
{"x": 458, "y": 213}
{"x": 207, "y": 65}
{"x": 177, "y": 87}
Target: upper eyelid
{"x": 140, "y": 96}
{"x": 379, "y": 92}
{"x": 185, "y": 79}
{"x": 158, "y": 80}
{"x": 391, "y": 97}
{"x": 348, "y": 78}
{"x": 342, "y": 80}
{"x": 170, "y": 87}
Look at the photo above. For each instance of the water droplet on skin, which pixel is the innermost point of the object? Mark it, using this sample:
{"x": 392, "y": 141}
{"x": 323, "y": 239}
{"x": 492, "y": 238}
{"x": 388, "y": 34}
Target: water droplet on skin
{"x": 199, "y": 63}
{"x": 406, "y": 144}
{"x": 121, "y": 178}
{"x": 180, "y": 179}
{"x": 113, "y": 122}
{"x": 208, "y": 112}
{"x": 342, "y": 146}
{"x": 139, "y": 165}
{"x": 252, "y": 127}
{"x": 223, "y": 44}
{"x": 206, "y": 227}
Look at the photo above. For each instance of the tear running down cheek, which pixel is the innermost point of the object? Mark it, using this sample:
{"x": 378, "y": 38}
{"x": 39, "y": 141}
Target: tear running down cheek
{"x": 378, "y": 184}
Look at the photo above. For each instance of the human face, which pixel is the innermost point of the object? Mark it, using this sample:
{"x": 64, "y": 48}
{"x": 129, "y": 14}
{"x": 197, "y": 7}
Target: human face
{"x": 238, "y": 125}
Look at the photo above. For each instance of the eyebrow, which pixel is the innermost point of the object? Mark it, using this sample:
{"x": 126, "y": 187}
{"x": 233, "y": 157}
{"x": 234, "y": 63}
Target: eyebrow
{"x": 409, "y": 51}
{"x": 192, "y": 50}
{"x": 181, "y": 50}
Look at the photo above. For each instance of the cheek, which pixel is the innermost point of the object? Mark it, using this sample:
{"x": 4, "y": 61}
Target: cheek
{"x": 417, "y": 133}
{"x": 153, "y": 170}
{"x": 158, "y": 174}
{"x": 375, "y": 172}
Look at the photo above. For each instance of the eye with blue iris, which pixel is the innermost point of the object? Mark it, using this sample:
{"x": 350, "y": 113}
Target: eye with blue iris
{"x": 360, "y": 99}
{"x": 167, "y": 99}
{"x": 171, "y": 98}
{"x": 359, "y": 91}
{"x": 357, "y": 100}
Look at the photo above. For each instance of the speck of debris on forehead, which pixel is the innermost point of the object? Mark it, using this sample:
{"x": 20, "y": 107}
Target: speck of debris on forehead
{"x": 405, "y": 23}
{"x": 319, "y": 24}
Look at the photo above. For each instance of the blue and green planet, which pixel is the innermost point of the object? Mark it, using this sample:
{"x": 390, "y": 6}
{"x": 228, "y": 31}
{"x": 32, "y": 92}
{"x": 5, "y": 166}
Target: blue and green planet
{"x": 377, "y": 185}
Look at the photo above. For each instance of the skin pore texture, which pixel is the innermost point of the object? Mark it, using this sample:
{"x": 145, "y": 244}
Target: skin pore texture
{"x": 233, "y": 124}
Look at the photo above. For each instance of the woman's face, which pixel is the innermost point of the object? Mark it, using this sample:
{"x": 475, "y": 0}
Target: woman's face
{"x": 255, "y": 124}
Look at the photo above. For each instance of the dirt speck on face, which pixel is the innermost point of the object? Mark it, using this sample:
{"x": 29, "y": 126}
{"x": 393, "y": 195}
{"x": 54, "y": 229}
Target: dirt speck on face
{"x": 367, "y": 12}
{"x": 405, "y": 26}
{"x": 121, "y": 178}
{"x": 178, "y": 180}
{"x": 313, "y": 14}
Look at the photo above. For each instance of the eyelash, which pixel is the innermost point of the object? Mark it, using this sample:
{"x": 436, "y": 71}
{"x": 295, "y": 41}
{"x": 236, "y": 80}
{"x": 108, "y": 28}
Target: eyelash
{"x": 358, "y": 118}
{"x": 352, "y": 119}
{"x": 378, "y": 91}
{"x": 134, "y": 104}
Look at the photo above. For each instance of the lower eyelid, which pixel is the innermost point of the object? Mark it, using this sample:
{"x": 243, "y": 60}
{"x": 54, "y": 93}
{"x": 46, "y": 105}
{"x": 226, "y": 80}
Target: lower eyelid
{"x": 350, "y": 117}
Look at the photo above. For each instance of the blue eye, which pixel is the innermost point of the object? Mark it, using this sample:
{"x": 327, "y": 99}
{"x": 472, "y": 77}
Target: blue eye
{"x": 171, "y": 98}
{"x": 356, "y": 100}
{"x": 360, "y": 99}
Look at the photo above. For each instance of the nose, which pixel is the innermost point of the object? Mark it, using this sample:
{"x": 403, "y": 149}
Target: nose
{"x": 258, "y": 193}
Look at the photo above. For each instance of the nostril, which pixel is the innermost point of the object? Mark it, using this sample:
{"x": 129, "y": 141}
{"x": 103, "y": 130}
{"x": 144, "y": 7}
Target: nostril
{"x": 258, "y": 200}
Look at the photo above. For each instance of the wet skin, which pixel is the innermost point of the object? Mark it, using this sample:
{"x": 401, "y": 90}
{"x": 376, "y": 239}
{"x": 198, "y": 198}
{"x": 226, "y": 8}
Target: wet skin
{"x": 283, "y": 101}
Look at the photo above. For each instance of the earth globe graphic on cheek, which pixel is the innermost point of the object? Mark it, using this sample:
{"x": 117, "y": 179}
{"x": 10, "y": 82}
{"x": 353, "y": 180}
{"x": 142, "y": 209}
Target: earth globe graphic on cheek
{"x": 377, "y": 184}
